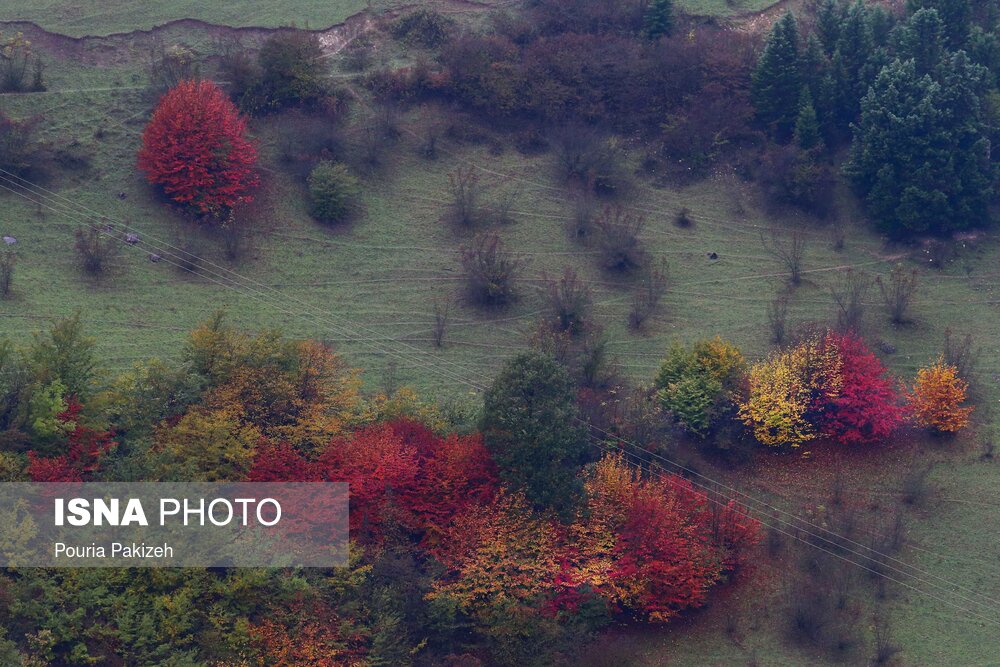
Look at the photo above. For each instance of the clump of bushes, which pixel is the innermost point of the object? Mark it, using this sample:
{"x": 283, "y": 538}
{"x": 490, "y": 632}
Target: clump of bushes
{"x": 333, "y": 192}
{"x": 423, "y": 27}
{"x": 491, "y": 270}
{"x": 289, "y": 72}
{"x": 790, "y": 175}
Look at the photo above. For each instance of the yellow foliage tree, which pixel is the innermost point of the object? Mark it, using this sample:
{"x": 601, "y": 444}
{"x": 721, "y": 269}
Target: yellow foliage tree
{"x": 937, "y": 397}
{"x": 788, "y": 389}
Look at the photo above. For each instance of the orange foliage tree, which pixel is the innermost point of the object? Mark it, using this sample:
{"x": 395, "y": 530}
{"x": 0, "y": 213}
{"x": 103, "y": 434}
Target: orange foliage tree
{"x": 937, "y": 397}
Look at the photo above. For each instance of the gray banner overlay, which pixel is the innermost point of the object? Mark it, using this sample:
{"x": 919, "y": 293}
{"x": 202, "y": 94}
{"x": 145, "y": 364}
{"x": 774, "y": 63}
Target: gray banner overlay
{"x": 173, "y": 524}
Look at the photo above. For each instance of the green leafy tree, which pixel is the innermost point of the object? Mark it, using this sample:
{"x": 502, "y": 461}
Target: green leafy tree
{"x": 65, "y": 354}
{"x": 333, "y": 191}
{"x": 776, "y": 82}
{"x": 530, "y": 425}
{"x": 920, "y": 156}
{"x": 697, "y": 384}
{"x": 292, "y": 69}
{"x": 659, "y": 19}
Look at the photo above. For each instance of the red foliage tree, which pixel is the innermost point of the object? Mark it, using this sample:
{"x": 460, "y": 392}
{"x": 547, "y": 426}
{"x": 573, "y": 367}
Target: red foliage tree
{"x": 868, "y": 408}
{"x": 307, "y": 635}
{"x": 455, "y": 473}
{"x": 196, "y": 148}
{"x": 380, "y": 469}
{"x": 86, "y": 445}
{"x": 280, "y": 462}
{"x": 52, "y": 469}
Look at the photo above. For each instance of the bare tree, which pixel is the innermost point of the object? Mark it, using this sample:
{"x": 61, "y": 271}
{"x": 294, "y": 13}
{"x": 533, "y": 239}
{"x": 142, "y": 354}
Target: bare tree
{"x": 777, "y": 317}
{"x": 652, "y": 286}
{"x": 441, "y": 319}
{"x": 898, "y": 291}
{"x": 789, "y": 250}
{"x": 849, "y": 294}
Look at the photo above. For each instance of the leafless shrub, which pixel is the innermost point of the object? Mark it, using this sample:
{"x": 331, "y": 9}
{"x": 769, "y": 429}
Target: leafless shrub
{"x": 581, "y": 226}
{"x": 236, "y": 65}
{"x": 503, "y": 205}
{"x": 777, "y": 318}
{"x": 245, "y": 223}
{"x": 386, "y": 121}
{"x": 466, "y": 192}
{"x": 962, "y": 353}
{"x": 683, "y": 218}
{"x": 650, "y": 290}
{"x": 774, "y": 542}
{"x": 372, "y": 147}
{"x": 898, "y": 291}
{"x": 838, "y": 234}
{"x": 916, "y": 488}
{"x": 849, "y": 294}
{"x": 569, "y": 300}
{"x": 429, "y": 142}
{"x": 885, "y": 648}
{"x": 97, "y": 248}
{"x": 596, "y": 364}
{"x": 618, "y": 238}
{"x": 938, "y": 253}
{"x": 492, "y": 271}
{"x": 788, "y": 250}
{"x": 441, "y": 319}
{"x": 989, "y": 451}
{"x": 7, "y": 261}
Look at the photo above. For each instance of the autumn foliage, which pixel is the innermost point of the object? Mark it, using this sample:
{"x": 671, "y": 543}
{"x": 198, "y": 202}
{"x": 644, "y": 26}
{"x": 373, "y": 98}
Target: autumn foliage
{"x": 642, "y": 548}
{"x": 84, "y": 447}
{"x": 829, "y": 386}
{"x": 937, "y": 398}
{"x": 196, "y": 148}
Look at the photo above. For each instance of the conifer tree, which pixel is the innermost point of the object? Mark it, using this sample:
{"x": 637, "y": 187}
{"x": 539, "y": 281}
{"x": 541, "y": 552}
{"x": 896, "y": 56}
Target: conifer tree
{"x": 659, "y": 18}
{"x": 776, "y": 82}
{"x": 806, "y": 124}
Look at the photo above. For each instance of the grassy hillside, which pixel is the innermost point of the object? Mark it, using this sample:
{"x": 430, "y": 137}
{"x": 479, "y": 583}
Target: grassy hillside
{"x": 372, "y": 285}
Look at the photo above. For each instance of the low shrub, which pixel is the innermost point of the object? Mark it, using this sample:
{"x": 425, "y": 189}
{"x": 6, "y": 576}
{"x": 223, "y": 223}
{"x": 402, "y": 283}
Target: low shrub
{"x": 333, "y": 192}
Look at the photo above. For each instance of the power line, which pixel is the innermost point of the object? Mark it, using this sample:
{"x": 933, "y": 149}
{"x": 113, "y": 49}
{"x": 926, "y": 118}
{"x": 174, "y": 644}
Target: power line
{"x": 237, "y": 286}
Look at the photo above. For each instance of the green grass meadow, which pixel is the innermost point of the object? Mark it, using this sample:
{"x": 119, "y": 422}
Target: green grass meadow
{"x": 370, "y": 287}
